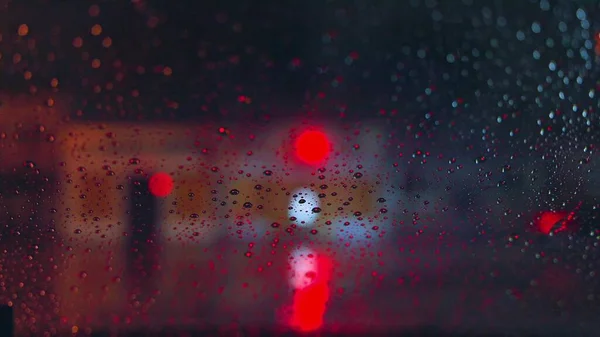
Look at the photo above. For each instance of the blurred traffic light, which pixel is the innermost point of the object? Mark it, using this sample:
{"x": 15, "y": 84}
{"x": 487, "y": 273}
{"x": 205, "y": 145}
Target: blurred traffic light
{"x": 312, "y": 147}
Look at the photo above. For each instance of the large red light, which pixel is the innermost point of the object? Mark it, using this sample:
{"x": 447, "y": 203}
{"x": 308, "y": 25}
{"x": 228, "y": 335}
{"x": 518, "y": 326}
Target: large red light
{"x": 312, "y": 147}
{"x": 547, "y": 221}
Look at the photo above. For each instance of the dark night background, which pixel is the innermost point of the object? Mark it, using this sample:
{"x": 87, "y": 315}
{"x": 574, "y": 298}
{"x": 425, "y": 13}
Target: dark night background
{"x": 273, "y": 52}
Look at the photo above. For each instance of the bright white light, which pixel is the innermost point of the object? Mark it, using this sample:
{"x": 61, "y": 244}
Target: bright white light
{"x": 302, "y": 203}
{"x": 303, "y": 268}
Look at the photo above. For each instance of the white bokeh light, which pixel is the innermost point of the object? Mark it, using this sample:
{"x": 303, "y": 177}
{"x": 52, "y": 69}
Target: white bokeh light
{"x": 302, "y": 203}
{"x": 303, "y": 268}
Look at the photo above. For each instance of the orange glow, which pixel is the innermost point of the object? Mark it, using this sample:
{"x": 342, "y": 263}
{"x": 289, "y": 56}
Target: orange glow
{"x": 192, "y": 196}
{"x": 161, "y": 185}
{"x": 23, "y": 30}
{"x": 312, "y": 147}
{"x": 96, "y": 30}
{"x": 106, "y": 42}
{"x": 310, "y": 303}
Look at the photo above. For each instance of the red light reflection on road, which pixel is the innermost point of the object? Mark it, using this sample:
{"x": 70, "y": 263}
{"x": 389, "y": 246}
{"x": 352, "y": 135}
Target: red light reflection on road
{"x": 310, "y": 301}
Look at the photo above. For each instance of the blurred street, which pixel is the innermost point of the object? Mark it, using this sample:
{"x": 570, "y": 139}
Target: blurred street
{"x": 474, "y": 287}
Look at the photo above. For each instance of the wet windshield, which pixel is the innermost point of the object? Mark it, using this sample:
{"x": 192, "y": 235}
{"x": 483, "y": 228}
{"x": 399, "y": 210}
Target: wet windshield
{"x": 354, "y": 166}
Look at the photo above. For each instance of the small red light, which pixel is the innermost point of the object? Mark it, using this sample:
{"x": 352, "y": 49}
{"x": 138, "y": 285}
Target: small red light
{"x": 161, "y": 185}
{"x": 312, "y": 147}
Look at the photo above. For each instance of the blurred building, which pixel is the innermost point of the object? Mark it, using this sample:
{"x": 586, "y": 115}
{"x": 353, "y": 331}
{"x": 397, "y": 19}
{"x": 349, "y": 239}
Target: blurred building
{"x": 240, "y": 193}
{"x": 28, "y": 126}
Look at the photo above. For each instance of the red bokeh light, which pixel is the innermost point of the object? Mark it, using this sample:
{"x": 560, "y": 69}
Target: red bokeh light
{"x": 312, "y": 147}
{"x": 549, "y": 220}
{"x": 161, "y": 185}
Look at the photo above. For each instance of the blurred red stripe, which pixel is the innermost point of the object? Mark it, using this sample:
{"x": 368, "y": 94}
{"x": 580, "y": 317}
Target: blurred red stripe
{"x": 310, "y": 303}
